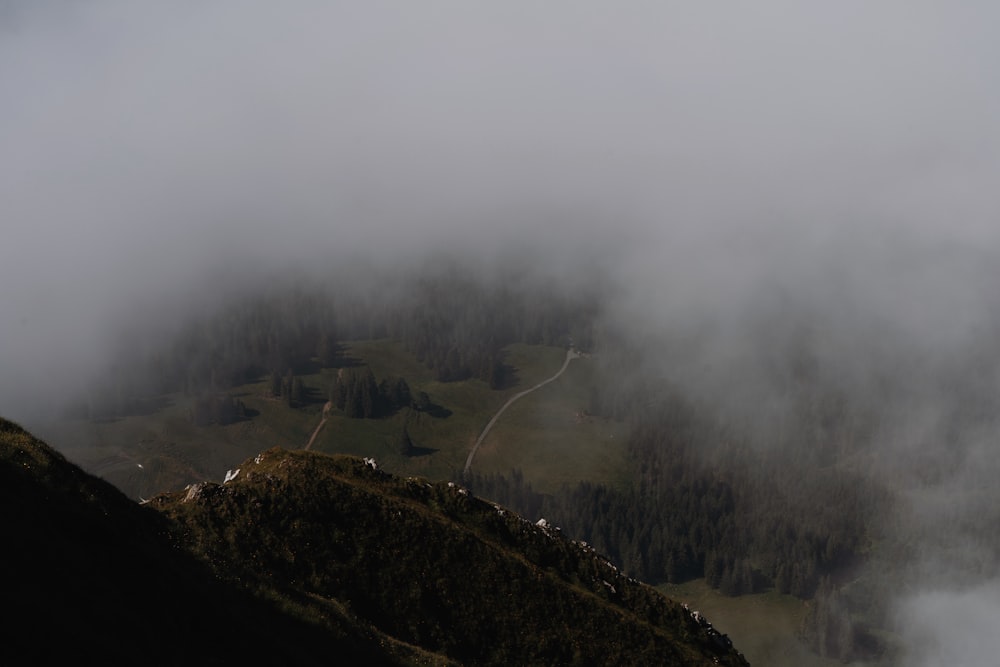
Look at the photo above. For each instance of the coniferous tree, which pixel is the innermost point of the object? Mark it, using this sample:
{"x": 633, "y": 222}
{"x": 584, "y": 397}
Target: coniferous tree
{"x": 394, "y": 394}
{"x": 274, "y": 385}
{"x": 287, "y": 385}
{"x": 404, "y": 445}
{"x": 369, "y": 395}
{"x": 326, "y": 351}
{"x": 422, "y": 402}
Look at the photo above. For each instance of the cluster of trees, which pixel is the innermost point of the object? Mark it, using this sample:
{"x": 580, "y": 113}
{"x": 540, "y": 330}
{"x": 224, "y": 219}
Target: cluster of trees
{"x": 833, "y": 627}
{"x": 702, "y": 504}
{"x": 217, "y": 409}
{"x": 748, "y": 509}
{"x": 248, "y": 338}
{"x": 359, "y": 395}
{"x": 286, "y": 386}
{"x": 457, "y": 324}
{"x": 279, "y": 333}
{"x": 449, "y": 316}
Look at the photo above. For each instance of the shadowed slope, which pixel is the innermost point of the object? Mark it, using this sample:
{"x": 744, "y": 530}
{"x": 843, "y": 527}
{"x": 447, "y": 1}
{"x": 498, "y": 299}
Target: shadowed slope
{"x": 88, "y": 576}
{"x": 434, "y": 566}
{"x": 307, "y": 559}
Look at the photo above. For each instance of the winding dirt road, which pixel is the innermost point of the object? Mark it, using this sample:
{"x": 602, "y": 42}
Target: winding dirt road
{"x": 570, "y": 355}
{"x": 322, "y": 421}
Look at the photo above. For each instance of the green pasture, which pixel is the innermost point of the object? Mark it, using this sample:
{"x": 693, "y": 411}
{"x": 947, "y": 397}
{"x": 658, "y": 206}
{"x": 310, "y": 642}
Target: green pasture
{"x": 551, "y": 438}
{"x": 546, "y": 433}
{"x": 763, "y": 626}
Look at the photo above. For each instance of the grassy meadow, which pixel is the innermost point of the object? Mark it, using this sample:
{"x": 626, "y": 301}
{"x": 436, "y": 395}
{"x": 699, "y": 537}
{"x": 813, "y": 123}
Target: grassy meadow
{"x": 546, "y": 433}
{"x": 550, "y": 437}
{"x": 764, "y": 626}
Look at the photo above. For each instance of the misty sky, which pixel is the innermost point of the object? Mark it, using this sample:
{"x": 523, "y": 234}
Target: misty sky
{"x": 142, "y": 142}
{"x": 843, "y": 153}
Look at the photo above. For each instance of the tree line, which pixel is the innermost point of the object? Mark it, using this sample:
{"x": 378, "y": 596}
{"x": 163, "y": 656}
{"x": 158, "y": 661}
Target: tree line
{"x": 451, "y": 320}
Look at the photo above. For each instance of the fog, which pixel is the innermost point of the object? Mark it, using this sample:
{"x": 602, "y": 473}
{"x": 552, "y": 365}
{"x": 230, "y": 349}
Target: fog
{"x": 741, "y": 172}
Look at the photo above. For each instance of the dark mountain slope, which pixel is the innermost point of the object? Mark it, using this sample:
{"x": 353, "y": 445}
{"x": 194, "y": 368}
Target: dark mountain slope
{"x": 306, "y": 559}
{"x": 88, "y": 576}
{"x": 433, "y": 566}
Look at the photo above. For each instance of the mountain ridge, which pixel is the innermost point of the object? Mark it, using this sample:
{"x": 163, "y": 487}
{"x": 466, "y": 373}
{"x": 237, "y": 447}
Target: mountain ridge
{"x": 340, "y": 557}
{"x": 92, "y": 575}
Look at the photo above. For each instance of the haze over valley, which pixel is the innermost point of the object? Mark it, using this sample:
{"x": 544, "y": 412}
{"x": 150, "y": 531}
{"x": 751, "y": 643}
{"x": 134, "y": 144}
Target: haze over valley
{"x": 771, "y": 230}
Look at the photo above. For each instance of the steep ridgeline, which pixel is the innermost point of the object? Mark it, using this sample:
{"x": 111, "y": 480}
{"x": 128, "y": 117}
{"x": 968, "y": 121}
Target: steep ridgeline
{"x": 306, "y": 559}
{"x": 90, "y": 577}
{"x": 432, "y": 566}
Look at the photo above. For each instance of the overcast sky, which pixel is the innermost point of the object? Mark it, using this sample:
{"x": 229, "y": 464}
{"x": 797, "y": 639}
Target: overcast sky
{"x": 845, "y": 153}
{"x": 144, "y": 141}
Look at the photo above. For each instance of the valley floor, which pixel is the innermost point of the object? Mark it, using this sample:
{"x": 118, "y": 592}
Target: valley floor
{"x": 763, "y": 625}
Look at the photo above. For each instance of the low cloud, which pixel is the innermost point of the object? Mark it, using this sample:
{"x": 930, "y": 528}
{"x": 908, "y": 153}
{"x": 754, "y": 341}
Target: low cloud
{"x": 952, "y": 627}
{"x": 750, "y": 177}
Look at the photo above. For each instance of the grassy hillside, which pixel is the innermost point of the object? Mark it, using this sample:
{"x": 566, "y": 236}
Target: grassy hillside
{"x": 551, "y": 438}
{"x": 541, "y": 434}
{"x": 432, "y": 565}
{"x": 301, "y": 558}
{"x": 92, "y": 578}
{"x": 764, "y": 625}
